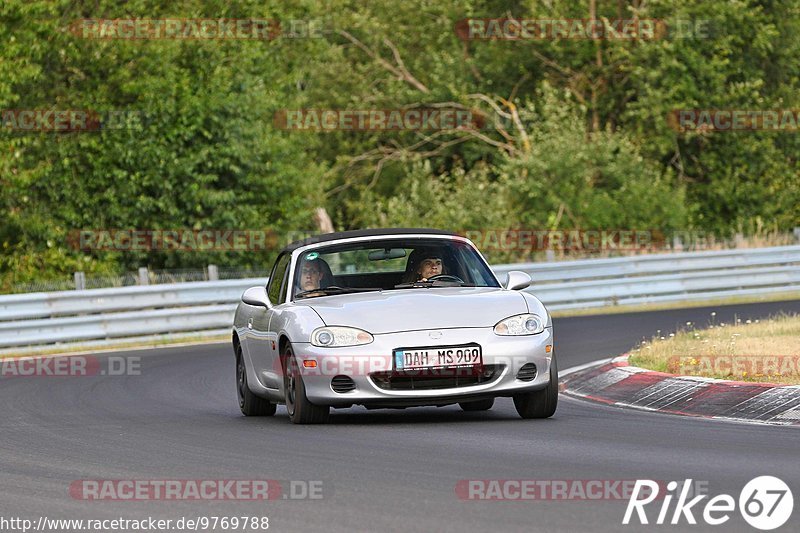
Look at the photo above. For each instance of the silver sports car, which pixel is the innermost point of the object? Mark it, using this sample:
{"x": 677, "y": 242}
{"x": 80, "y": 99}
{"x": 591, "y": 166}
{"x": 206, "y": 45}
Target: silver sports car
{"x": 391, "y": 318}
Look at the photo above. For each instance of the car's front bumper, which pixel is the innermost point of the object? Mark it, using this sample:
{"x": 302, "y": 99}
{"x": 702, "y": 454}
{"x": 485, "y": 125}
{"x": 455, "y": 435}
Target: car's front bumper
{"x": 367, "y": 364}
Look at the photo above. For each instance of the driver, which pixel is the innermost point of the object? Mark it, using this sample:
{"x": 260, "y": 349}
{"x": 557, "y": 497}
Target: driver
{"x": 422, "y": 265}
{"x": 429, "y": 267}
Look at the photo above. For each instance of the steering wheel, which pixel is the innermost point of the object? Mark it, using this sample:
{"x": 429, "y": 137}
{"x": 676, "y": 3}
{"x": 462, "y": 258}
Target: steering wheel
{"x": 445, "y": 277}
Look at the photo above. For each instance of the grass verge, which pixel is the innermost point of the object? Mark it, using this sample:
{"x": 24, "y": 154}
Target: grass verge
{"x": 759, "y": 350}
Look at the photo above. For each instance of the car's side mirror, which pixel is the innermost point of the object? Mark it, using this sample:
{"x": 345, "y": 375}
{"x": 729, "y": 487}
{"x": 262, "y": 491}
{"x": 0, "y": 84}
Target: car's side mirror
{"x": 256, "y": 296}
{"x": 517, "y": 280}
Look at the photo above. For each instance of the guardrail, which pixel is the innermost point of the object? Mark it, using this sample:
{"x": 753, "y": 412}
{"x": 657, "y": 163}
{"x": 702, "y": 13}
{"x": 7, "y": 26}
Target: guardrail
{"x": 45, "y": 318}
{"x": 662, "y": 278}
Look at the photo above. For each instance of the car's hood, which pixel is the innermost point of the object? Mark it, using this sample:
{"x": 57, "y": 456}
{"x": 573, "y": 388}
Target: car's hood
{"x": 422, "y": 308}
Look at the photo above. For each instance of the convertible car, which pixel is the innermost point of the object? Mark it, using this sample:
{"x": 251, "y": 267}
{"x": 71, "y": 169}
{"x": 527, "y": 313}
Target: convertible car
{"x": 391, "y": 318}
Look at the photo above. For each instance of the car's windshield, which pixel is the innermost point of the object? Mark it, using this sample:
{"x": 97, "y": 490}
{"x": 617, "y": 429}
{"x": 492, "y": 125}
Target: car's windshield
{"x": 389, "y": 264}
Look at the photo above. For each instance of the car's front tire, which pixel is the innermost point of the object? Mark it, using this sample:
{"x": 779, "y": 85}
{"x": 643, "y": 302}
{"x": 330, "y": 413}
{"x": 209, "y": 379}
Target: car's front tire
{"x": 249, "y": 403}
{"x": 479, "y": 405}
{"x": 301, "y": 411}
{"x": 540, "y": 403}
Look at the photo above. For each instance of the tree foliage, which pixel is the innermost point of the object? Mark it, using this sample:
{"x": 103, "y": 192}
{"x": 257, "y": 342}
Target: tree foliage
{"x": 578, "y": 135}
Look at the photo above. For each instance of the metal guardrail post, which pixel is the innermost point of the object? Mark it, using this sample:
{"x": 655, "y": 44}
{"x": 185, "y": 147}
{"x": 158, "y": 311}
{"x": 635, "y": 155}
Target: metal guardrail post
{"x": 80, "y": 281}
{"x": 144, "y": 276}
{"x": 213, "y": 273}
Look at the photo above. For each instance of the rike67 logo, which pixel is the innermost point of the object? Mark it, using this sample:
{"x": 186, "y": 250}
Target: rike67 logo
{"x": 765, "y": 503}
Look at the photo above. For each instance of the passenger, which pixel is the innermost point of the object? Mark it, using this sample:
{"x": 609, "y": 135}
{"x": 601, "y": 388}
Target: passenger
{"x": 310, "y": 275}
{"x": 314, "y": 274}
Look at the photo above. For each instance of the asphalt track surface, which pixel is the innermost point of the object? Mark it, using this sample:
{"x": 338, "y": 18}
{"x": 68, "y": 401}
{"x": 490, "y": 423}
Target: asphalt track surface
{"x": 383, "y": 470}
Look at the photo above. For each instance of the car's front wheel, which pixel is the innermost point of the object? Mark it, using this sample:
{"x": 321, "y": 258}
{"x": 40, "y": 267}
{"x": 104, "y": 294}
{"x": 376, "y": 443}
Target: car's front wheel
{"x": 301, "y": 411}
{"x": 249, "y": 403}
{"x": 479, "y": 405}
{"x": 540, "y": 403}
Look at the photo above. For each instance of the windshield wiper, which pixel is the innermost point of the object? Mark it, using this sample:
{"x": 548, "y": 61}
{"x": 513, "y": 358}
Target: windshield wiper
{"x": 333, "y": 289}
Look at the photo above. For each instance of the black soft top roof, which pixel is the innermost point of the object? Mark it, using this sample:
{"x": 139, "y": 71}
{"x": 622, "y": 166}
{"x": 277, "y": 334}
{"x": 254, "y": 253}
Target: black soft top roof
{"x": 379, "y": 232}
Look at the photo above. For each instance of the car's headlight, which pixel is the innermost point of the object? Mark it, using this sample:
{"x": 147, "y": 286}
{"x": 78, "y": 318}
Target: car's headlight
{"x": 527, "y": 324}
{"x": 334, "y": 336}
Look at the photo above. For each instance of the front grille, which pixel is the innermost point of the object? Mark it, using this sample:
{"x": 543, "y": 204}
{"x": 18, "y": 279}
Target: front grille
{"x": 404, "y": 381}
{"x": 527, "y": 372}
{"x": 342, "y": 384}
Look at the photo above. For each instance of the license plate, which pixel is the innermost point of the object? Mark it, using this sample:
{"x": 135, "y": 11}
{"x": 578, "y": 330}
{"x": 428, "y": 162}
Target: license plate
{"x": 433, "y": 357}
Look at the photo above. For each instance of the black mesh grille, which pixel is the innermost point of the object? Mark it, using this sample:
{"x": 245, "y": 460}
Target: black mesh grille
{"x": 527, "y": 372}
{"x": 342, "y": 384}
{"x": 407, "y": 381}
